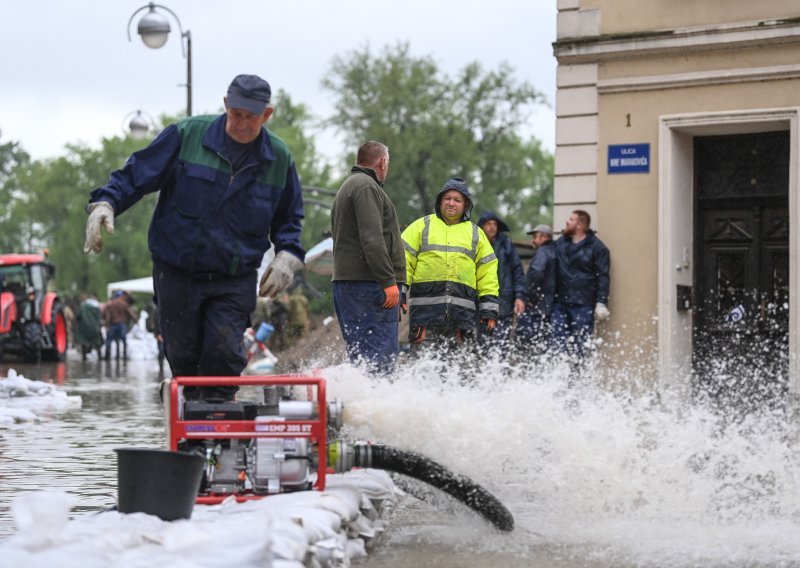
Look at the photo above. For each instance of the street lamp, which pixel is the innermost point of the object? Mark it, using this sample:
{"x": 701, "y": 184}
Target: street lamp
{"x": 139, "y": 125}
{"x": 154, "y": 29}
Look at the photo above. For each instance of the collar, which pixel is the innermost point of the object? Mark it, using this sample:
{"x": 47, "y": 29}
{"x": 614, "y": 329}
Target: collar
{"x": 365, "y": 170}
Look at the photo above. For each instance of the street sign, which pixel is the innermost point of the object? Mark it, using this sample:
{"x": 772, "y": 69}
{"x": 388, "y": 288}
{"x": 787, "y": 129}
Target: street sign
{"x": 628, "y": 158}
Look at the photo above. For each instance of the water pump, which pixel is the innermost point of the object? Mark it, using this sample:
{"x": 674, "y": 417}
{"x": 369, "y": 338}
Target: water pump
{"x": 282, "y": 443}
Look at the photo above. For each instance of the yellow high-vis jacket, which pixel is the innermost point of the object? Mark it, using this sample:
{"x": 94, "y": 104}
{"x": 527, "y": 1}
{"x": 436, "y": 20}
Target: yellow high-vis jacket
{"x": 452, "y": 274}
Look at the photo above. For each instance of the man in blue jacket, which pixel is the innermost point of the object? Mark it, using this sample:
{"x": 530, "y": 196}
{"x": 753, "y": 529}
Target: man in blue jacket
{"x": 228, "y": 191}
{"x": 582, "y": 286}
{"x": 533, "y": 327}
{"x": 510, "y": 275}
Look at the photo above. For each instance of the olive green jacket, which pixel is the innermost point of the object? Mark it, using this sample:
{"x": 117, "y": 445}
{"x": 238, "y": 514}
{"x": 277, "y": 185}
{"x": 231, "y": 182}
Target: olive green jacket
{"x": 366, "y": 235}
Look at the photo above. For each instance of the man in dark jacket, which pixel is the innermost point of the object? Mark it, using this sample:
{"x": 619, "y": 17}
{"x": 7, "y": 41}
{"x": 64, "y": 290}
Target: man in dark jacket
{"x": 533, "y": 327}
{"x": 510, "y": 275}
{"x": 228, "y": 191}
{"x": 118, "y": 315}
{"x": 583, "y": 284}
{"x": 369, "y": 264}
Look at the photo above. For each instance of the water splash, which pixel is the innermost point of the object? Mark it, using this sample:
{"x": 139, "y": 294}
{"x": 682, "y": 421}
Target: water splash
{"x": 593, "y": 473}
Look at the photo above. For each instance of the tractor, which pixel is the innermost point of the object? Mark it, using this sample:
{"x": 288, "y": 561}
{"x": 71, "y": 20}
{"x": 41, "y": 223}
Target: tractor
{"x": 32, "y": 323}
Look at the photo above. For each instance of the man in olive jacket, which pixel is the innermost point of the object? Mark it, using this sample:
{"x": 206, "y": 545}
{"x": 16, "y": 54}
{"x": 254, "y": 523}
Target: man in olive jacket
{"x": 369, "y": 266}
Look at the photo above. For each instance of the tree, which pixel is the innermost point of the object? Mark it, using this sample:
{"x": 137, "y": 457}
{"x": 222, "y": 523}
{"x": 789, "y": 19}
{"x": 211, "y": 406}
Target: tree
{"x": 53, "y": 203}
{"x": 438, "y": 127}
{"x": 44, "y": 202}
{"x": 13, "y": 159}
{"x": 295, "y": 125}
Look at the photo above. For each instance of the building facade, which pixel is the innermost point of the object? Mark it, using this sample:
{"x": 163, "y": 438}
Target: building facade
{"x": 677, "y": 129}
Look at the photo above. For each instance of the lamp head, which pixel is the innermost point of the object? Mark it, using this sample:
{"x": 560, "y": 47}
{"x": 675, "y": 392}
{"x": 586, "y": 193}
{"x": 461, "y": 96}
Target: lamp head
{"x": 154, "y": 28}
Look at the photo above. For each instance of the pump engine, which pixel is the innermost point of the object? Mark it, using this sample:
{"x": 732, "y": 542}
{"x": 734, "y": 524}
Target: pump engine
{"x": 255, "y": 448}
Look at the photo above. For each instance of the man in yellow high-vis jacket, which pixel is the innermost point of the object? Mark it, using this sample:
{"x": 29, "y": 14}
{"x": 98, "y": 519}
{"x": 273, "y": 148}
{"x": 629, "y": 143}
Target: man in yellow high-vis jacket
{"x": 451, "y": 269}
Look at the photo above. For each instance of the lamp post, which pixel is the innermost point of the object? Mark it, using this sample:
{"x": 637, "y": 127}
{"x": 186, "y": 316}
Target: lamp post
{"x": 154, "y": 29}
{"x": 139, "y": 125}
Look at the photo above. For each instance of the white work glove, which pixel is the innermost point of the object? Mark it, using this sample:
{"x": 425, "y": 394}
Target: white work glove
{"x": 279, "y": 274}
{"x": 101, "y": 214}
{"x": 601, "y": 312}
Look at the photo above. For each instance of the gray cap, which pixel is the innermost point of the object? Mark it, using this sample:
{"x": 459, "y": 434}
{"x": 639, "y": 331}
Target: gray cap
{"x": 546, "y": 229}
{"x": 250, "y": 93}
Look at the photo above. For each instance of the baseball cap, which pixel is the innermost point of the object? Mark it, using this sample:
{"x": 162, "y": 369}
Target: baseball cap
{"x": 546, "y": 229}
{"x": 250, "y": 93}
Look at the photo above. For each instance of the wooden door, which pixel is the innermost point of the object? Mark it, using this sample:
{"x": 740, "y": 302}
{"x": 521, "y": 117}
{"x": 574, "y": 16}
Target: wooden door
{"x": 741, "y": 320}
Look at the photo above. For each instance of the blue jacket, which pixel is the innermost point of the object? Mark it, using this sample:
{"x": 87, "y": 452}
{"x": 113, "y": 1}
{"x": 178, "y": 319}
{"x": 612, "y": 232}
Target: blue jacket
{"x": 583, "y": 270}
{"x": 541, "y": 279}
{"x": 210, "y": 219}
{"x": 510, "y": 275}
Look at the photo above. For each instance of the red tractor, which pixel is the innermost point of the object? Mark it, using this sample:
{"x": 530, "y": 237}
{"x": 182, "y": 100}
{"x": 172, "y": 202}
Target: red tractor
{"x": 32, "y": 323}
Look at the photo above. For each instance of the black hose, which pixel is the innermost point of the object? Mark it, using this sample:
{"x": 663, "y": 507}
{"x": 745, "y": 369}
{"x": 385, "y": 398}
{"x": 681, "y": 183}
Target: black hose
{"x": 458, "y": 486}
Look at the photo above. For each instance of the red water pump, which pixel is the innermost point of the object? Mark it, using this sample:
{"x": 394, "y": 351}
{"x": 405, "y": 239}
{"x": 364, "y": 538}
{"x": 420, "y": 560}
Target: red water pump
{"x": 273, "y": 444}
{"x": 275, "y": 438}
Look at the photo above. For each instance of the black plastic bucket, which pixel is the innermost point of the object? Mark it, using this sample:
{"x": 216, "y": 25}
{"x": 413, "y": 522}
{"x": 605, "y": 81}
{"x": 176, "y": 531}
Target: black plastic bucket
{"x": 158, "y": 482}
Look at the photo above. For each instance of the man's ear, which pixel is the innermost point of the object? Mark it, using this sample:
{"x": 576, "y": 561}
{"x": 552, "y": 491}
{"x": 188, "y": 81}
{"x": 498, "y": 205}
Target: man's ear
{"x": 267, "y": 113}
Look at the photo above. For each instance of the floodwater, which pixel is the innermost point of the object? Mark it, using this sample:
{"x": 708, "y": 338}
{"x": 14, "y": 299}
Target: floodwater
{"x": 592, "y": 477}
{"x": 74, "y": 451}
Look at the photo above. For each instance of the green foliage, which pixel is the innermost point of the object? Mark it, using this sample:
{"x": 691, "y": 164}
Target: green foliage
{"x": 13, "y": 161}
{"x": 295, "y": 125}
{"x": 61, "y": 188}
{"x": 438, "y": 127}
{"x": 435, "y": 126}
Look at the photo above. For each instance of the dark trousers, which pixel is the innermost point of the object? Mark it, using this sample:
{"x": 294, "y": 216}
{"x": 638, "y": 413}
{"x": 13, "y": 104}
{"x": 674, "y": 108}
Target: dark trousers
{"x": 573, "y": 325}
{"x": 370, "y": 331}
{"x": 202, "y": 321}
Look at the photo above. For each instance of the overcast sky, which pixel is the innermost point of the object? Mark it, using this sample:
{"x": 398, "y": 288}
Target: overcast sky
{"x": 69, "y": 73}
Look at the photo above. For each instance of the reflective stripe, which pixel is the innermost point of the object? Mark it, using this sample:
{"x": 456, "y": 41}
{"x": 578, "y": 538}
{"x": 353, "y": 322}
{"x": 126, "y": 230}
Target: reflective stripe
{"x": 427, "y": 246}
{"x": 486, "y": 259}
{"x": 409, "y": 249}
{"x": 429, "y": 301}
{"x": 489, "y": 306}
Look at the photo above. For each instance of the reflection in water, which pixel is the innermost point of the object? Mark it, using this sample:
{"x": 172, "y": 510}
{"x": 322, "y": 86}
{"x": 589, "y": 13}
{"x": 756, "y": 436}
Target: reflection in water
{"x": 73, "y": 451}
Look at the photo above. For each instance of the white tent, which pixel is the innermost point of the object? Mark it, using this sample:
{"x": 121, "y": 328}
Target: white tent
{"x": 319, "y": 258}
{"x": 135, "y": 285}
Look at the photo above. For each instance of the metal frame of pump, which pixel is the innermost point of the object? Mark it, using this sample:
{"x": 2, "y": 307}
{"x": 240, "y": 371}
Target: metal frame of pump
{"x": 313, "y": 429}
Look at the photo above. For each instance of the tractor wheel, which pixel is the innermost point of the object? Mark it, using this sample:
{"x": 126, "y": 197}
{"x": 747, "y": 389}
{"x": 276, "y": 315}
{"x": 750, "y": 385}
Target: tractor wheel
{"x": 32, "y": 342}
{"x": 57, "y": 330}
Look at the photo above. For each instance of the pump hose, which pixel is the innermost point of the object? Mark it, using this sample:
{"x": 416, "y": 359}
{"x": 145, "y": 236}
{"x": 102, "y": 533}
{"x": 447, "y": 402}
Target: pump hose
{"x": 458, "y": 486}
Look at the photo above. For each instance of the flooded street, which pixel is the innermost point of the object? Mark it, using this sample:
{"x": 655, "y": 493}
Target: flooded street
{"x": 592, "y": 478}
{"x": 73, "y": 451}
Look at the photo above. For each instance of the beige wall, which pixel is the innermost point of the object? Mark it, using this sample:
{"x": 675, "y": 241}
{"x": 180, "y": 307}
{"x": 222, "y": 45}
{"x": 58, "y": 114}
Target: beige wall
{"x": 749, "y": 57}
{"x": 618, "y": 90}
{"x": 628, "y": 203}
{"x": 636, "y": 16}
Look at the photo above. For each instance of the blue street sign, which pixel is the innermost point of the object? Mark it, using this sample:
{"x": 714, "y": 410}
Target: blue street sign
{"x": 628, "y": 158}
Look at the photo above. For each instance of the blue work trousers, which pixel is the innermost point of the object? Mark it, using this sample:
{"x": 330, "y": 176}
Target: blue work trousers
{"x": 573, "y": 325}
{"x": 203, "y": 320}
{"x": 370, "y": 331}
